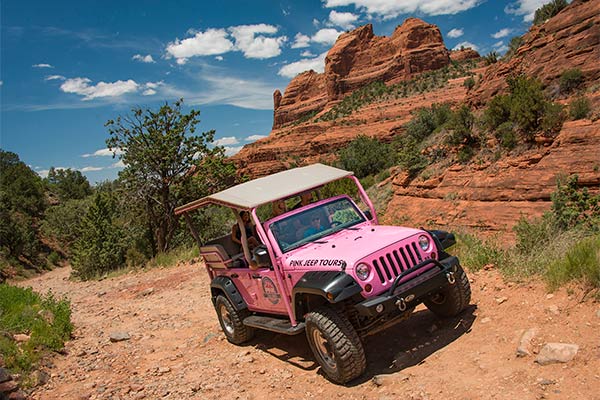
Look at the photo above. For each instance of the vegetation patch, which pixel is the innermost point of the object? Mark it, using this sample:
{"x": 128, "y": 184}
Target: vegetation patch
{"x": 44, "y": 323}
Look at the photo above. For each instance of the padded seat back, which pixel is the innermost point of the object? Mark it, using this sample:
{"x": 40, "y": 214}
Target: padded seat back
{"x": 215, "y": 256}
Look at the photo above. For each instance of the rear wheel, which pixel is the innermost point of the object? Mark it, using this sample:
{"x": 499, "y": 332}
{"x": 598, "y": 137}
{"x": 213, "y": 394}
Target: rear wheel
{"x": 453, "y": 298}
{"x": 231, "y": 321}
{"x": 335, "y": 344}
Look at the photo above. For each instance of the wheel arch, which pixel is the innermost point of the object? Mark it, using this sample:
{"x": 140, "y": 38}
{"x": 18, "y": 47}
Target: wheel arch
{"x": 224, "y": 285}
{"x": 317, "y": 288}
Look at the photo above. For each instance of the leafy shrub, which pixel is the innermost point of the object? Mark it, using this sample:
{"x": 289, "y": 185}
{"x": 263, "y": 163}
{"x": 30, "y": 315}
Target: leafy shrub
{"x": 366, "y": 156}
{"x": 570, "y": 80}
{"x": 553, "y": 118}
{"x": 61, "y": 222}
{"x": 53, "y": 258}
{"x": 579, "y": 108}
{"x": 513, "y": 46}
{"x": 98, "y": 249}
{"x": 573, "y": 206}
{"x": 506, "y": 135}
{"x": 47, "y": 319}
{"x": 548, "y": 11}
{"x": 461, "y": 124}
{"x": 581, "y": 262}
{"x": 476, "y": 253}
{"x": 465, "y": 153}
{"x": 469, "y": 83}
{"x": 491, "y": 58}
{"x": 409, "y": 155}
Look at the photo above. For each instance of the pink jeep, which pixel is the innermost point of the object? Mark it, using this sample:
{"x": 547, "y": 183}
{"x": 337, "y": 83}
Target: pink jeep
{"x": 326, "y": 268}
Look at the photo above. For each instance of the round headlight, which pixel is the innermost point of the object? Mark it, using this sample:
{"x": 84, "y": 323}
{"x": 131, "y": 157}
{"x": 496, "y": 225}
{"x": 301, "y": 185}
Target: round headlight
{"x": 362, "y": 271}
{"x": 423, "y": 243}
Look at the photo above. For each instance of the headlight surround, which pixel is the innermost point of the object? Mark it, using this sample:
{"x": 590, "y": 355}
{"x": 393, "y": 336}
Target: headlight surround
{"x": 362, "y": 271}
{"x": 424, "y": 242}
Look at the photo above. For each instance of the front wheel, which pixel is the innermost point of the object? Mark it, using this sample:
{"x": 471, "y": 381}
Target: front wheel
{"x": 453, "y": 298}
{"x": 335, "y": 344}
{"x": 231, "y": 321}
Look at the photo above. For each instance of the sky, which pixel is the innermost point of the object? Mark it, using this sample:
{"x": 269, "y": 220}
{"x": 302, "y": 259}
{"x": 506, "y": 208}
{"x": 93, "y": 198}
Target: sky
{"x": 67, "y": 67}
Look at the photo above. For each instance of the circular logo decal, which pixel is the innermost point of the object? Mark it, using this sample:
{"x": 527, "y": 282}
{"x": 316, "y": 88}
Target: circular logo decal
{"x": 270, "y": 290}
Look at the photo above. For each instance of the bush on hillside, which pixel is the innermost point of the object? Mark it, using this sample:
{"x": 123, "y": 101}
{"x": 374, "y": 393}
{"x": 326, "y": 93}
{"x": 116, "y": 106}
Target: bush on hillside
{"x": 366, "y": 156}
{"x": 469, "y": 83}
{"x": 579, "y": 108}
{"x": 570, "y": 80}
{"x": 491, "y": 58}
{"x": 548, "y": 11}
{"x": 461, "y": 126}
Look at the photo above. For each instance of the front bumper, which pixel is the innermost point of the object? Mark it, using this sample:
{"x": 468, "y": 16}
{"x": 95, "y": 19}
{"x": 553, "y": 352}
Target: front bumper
{"x": 403, "y": 296}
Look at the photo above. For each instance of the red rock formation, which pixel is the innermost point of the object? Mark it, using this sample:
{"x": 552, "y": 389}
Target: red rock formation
{"x": 464, "y": 54}
{"x": 359, "y": 58}
{"x": 569, "y": 40}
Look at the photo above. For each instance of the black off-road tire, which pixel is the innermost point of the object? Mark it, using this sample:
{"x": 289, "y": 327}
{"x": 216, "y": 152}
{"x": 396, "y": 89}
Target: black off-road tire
{"x": 231, "y": 321}
{"x": 335, "y": 344}
{"x": 453, "y": 299}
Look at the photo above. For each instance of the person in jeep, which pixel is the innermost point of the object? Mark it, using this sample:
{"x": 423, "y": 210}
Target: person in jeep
{"x": 345, "y": 278}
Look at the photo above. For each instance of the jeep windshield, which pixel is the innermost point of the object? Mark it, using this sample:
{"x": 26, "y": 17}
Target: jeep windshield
{"x": 314, "y": 224}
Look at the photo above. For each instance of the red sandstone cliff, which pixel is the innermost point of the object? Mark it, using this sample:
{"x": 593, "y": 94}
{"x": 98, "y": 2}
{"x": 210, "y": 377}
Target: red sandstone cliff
{"x": 488, "y": 193}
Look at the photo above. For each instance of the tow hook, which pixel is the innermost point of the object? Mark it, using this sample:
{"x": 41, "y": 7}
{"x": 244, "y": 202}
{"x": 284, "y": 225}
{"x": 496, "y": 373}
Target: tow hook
{"x": 401, "y": 304}
{"x": 450, "y": 277}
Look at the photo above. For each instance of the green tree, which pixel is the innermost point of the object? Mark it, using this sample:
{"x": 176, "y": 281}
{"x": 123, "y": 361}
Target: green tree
{"x": 68, "y": 184}
{"x": 365, "y": 156}
{"x": 166, "y": 165}
{"x": 548, "y": 11}
{"x": 62, "y": 222}
{"x": 570, "y": 80}
{"x": 98, "y": 248}
{"x": 22, "y": 202}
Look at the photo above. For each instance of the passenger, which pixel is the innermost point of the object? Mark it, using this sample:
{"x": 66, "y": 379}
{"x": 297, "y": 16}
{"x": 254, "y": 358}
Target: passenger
{"x": 315, "y": 226}
{"x": 305, "y": 199}
{"x": 236, "y": 234}
{"x": 278, "y": 208}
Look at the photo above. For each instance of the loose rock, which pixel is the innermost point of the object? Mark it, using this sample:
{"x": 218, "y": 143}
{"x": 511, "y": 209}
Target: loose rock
{"x": 557, "y": 353}
{"x": 119, "y": 336}
{"x": 524, "y": 348}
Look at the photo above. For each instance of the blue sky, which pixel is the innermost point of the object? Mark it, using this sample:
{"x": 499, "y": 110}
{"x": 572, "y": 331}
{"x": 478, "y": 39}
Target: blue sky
{"x": 66, "y": 67}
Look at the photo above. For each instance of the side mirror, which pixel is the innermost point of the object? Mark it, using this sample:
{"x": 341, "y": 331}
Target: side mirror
{"x": 261, "y": 256}
{"x": 368, "y": 214}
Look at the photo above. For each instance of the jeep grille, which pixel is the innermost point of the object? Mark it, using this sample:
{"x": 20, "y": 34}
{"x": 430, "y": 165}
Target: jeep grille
{"x": 395, "y": 260}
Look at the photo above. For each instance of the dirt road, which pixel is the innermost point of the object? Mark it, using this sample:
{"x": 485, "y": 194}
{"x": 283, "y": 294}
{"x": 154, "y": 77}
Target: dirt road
{"x": 176, "y": 349}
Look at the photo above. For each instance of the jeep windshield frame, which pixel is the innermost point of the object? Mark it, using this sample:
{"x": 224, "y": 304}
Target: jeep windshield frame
{"x": 333, "y": 215}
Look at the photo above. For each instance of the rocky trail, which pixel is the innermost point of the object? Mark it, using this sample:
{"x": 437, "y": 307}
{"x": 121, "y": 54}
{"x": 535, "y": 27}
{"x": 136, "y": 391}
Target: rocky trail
{"x": 155, "y": 335}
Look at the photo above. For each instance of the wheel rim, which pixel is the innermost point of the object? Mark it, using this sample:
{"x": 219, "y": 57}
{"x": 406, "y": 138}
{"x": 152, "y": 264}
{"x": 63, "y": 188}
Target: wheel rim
{"x": 323, "y": 349}
{"x": 226, "y": 318}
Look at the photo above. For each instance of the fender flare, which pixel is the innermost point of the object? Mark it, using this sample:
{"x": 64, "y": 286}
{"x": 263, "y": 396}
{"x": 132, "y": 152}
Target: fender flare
{"x": 225, "y": 284}
{"x": 333, "y": 286}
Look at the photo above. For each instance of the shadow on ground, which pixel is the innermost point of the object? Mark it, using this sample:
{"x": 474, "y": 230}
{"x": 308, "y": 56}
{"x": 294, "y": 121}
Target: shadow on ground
{"x": 404, "y": 345}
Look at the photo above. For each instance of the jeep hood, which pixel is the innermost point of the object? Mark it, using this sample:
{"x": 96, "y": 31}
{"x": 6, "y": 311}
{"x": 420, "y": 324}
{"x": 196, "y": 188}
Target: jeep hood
{"x": 348, "y": 246}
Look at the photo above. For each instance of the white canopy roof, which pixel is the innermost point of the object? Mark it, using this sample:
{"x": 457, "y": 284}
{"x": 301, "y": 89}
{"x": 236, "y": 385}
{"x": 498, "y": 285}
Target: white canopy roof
{"x": 270, "y": 188}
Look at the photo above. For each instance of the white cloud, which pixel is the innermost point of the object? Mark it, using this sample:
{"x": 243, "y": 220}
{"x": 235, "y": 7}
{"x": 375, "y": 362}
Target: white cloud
{"x": 219, "y": 58}
{"x": 291, "y": 70}
{"x": 253, "y": 138}
{"x": 154, "y": 85}
{"x": 466, "y": 45}
{"x": 316, "y": 23}
{"x": 502, "y": 33}
{"x": 345, "y": 20}
{"x": 118, "y": 164}
{"x": 102, "y": 153}
{"x": 455, "y": 33}
{"x": 42, "y": 66}
{"x": 1, "y": 83}
{"x": 260, "y": 46}
{"x": 326, "y": 36}
{"x": 500, "y": 47}
{"x": 221, "y": 89}
{"x": 211, "y": 42}
{"x": 55, "y": 77}
{"x": 226, "y": 141}
{"x": 145, "y": 59}
{"x": 526, "y": 8}
{"x": 300, "y": 41}
{"x": 43, "y": 173}
{"x": 82, "y": 87}
{"x": 91, "y": 169}
{"x": 230, "y": 151}
{"x": 149, "y": 92}
{"x": 388, "y": 9}
{"x": 307, "y": 53}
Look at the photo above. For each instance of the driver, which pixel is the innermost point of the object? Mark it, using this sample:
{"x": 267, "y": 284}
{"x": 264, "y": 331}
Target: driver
{"x": 315, "y": 226}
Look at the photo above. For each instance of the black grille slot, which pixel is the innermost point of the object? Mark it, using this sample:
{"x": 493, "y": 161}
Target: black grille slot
{"x": 378, "y": 270}
{"x": 385, "y": 267}
{"x": 414, "y": 246}
{"x": 410, "y": 254}
{"x": 392, "y": 264}
{"x": 405, "y": 258}
{"x": 398, "y": 262}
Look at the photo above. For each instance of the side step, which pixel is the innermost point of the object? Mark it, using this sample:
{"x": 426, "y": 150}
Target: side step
{"x": 277, "y": 325}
